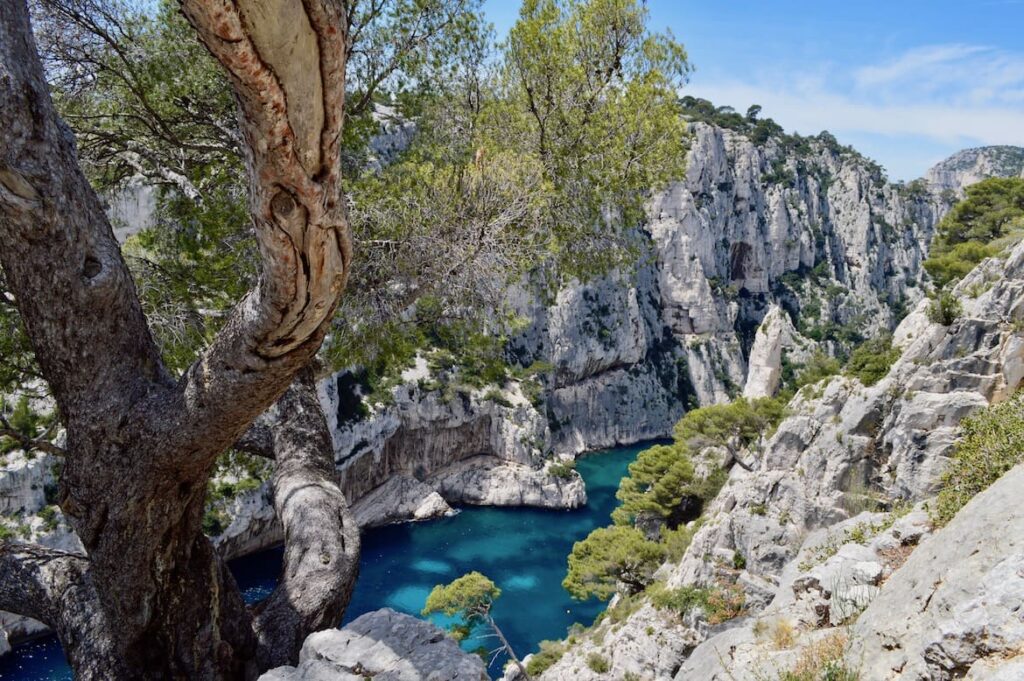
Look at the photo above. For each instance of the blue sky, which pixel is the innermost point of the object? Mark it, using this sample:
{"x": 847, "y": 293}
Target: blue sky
{"x": 907, "y": 82}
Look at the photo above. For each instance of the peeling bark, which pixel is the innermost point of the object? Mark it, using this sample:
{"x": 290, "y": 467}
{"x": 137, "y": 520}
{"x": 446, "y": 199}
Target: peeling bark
{"x": 141, "y": 445}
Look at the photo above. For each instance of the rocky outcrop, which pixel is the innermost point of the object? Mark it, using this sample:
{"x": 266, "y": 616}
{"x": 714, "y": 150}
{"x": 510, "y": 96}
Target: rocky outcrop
{"x": 775, "y": 339}
{"x": 953, "y": 611}
{"x": 969, "y": 166}
{"x": 808, "y": 533}
{"x": 414, "y": 458}
{"x": 384, "y": 646}
{"x": 818, "y": 236}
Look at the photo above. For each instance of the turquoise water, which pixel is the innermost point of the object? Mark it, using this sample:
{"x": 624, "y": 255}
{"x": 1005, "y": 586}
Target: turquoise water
{"x": 522, "y": 550}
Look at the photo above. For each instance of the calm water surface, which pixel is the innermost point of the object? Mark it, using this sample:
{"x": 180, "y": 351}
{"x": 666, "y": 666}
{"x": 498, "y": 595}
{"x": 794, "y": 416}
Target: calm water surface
{"x": 522, "y": 550}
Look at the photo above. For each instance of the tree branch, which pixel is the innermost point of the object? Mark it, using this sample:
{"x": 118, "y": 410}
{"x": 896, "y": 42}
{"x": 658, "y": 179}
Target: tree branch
{"x": 321, "y": 558}
{"x": 29, "y": 443}
{"x": 59, "y": 255}
{"x": 54, "y": 587}
{"x": 286, "y": 61}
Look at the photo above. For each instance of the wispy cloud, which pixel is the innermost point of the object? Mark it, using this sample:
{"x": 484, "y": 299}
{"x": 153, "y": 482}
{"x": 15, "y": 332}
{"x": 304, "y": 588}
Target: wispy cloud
{"x": 954, "y": 94}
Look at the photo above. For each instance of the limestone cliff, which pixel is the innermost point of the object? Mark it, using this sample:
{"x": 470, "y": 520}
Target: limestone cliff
{"x": 966, "y": 167}
{"x": 829, "y": 513}
{"x": 818, "y": 235}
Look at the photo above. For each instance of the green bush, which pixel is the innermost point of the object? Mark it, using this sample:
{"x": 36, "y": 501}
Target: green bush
{"x": 819, "y": 367}
{"x": 945, "y": 309}
{"x": 550, "y": 652}
{"x": 610, "y": 557}
{"x": 49, "y": 518}
{"x": 561, "y": 469}
{"x": 598, "y": 663}
{"x": 952, "y": 264}
{"x": 992, "y": 443}
{"x": 215, "y": 521}
{"x": 978, "y": 227}
{"x": 871, "y": 360}
{"x": 719, "y": 604}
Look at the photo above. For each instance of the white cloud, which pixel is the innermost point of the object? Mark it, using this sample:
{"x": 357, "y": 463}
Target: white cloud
{"x": 962, "y": 95}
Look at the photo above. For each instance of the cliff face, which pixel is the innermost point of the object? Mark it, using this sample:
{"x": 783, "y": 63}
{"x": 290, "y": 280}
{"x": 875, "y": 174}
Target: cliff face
{"x": 806, "y": 539}
{"x": 815, "y": 241}
{"x": 817, "y": 235}
{"x": 966, "y": 167}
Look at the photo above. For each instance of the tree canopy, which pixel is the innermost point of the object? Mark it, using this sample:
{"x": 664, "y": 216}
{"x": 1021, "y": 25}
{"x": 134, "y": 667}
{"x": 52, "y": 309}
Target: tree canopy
{"x": 609, "y": 558}
{"x": 988, "y": 220}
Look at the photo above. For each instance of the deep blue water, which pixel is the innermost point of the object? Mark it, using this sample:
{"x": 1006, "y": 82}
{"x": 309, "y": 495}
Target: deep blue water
{"x": 522, "y": 550}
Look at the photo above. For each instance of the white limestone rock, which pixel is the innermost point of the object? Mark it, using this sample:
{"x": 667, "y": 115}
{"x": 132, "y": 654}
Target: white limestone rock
{"x": 957, "y": 600}
{"x": 969, "y": 166}
{"x": 648, "y": 645}
{"x": 775, "y": 336}
{"x": 383, "y": 645}
{"x": 488, "y": 481}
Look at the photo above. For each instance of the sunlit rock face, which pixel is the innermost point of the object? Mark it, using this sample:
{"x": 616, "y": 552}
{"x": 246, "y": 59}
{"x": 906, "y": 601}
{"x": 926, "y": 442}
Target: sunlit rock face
{"x": 970, "y": 166}
{"x": 817, "y": 236}
{"x": 385, "y": 645}
{"x": 827, "y": 521}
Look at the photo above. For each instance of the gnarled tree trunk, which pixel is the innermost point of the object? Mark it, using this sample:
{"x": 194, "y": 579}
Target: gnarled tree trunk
{"x": 151, "y": 599}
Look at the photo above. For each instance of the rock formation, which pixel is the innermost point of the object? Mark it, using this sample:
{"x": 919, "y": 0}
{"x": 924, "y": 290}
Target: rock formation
{"x": 384, "y": 646}
{"x": 823, "y": 525}
{"x": 966, "y": 167}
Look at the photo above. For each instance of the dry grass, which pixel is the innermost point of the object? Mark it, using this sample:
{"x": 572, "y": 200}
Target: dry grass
{"x": 822, "y": 659}
{"x": 783, "y": 634}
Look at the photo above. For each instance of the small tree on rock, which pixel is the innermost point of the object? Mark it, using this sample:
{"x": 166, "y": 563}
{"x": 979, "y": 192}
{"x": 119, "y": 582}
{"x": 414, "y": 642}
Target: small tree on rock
{"x": 610, "y": 557}
{"x": 470, "y": 597}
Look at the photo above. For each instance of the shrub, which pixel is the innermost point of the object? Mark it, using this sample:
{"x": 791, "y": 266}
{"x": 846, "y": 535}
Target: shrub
{"x": 954, "y": 264}
{"x": 871, "y": 360}
{"x": 561, "y": 469}
{"x": 598, "y": 663}
{"x": 976, "y": 228}
{"x": 819, "y": 367}
{"x": 719, "y": 604}
{"x": 944, "y": 309}
{"x": 783, "y": 634}
{"x": 215, "y": 521}
{"x": 991, "y": 444}
{"x": 49, "y": 518}
{"x": 822, "y": 661}
{"x": 610, "y": 556}
{"x": 550, "y": 652}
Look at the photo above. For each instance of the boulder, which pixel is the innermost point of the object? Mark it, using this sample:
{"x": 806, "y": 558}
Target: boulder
{"x": 383, "y": 645}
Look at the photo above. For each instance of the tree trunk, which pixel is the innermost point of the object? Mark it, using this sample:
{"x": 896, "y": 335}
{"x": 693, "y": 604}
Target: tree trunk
{"x": 151, "y": 599}
{"x": 508, "y": 648}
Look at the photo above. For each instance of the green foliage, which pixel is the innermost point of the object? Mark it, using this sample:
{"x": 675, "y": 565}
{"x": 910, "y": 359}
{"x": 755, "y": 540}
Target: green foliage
{"x": 992, "y": 442}
{"x": 610, "y": 556}
{"x": 562, "y": 470}
{"x": 17, "y": 361}
{"x": 215, "y": 521}
{"x": 598, "y": 663}
{"x": 469, "y": 597}
{"x": 719, "y": 603}
{"x": 550, "y": 652}
{"x": 945, "y": 309}
{"x": 818, "y": 368}
{"x": 738, "y": 423}
{"x": 978, "y": 227}
{"x": 49, "y": 517}
{"x": 870, "y": 361}
{"x": 590, "y": 91}
{"x": 22, "y": 419}
{"x": 949, "y": 265}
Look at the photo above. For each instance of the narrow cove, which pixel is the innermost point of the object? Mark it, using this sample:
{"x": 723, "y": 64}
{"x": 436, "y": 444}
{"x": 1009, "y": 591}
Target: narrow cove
{"x": 523, "y": 550}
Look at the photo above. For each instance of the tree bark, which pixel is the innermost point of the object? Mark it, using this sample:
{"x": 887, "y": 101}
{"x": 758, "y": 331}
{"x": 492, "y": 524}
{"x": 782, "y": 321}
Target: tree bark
{"x": 140, "y": 445}
{"x": 321, "y": 557}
